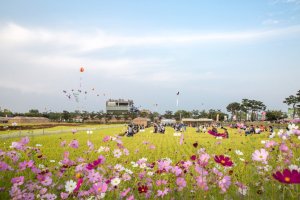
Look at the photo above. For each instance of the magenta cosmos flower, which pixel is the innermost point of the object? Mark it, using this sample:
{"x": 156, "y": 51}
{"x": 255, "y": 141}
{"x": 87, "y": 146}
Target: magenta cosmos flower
{"x": 288, "y": 176}
{"x": 224, "y": 160}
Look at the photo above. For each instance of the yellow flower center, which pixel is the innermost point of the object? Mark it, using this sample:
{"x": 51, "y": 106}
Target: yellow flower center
{"x": 222, "y": 161}
{"x": 261, "y": 157}
{"x": 287, "y": 179}
{"x": 99, "y": 189}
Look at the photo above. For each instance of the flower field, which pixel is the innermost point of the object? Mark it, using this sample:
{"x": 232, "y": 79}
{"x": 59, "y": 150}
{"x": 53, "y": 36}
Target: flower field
{"x": 103, "y": 165}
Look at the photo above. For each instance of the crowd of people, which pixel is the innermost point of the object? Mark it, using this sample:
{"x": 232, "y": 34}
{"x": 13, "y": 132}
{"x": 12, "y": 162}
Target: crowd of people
{"x": 204, "y": 128}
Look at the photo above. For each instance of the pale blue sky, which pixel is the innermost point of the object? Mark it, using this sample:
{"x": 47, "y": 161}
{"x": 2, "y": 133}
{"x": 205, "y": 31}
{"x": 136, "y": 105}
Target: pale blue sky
{"x": 213, "y": 52}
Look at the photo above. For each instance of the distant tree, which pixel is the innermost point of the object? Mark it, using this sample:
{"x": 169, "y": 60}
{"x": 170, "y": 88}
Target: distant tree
{"x": 195, "y": 114}
{"x": 203, "y": 114}
{"x": 179, "y": 114}
{"x": 33, "y": 113}
{"x": 6, "y": 112}
{"x": 66, "y": 115}
{"x": 168, "y": 114}
{"x": 273, "y": 115}
{"x": 233, "y": 108}
{"x": 293, "y": 100}
{"x": 253, "y": 106}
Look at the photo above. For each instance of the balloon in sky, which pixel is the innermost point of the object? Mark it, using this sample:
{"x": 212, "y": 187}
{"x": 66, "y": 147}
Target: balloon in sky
{"x": 81, "y": 69}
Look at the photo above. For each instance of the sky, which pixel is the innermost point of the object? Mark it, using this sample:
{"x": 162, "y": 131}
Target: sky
{"x": 212, "y": 52}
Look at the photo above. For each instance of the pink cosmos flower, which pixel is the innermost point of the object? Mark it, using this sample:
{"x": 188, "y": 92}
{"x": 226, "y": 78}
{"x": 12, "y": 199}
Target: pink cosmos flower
{"x": 177, "y": 171}
{"x": 202, "y": 182}
{"x": 90, "y": 145}
{"x": 162, "y": 193}
{"x": 260, "y": 155}
{"x": 283, "y": 147}
{"x": 79, "y": 182}
{"x": 47, "y": 181}
{"x": 224, "y": 183}
{"x": 26, "y": 164}
{"x": 106, "y": 138}
{"x": 161, "y": 182}
{"x": 270, "y": 144}
{"x": 130, "y": 198}
{"x": 125, "y": 192}
{"x": 63, "y": 143}
{"x": 95, "y": 163}
{"x": 180, "y": 182}
{"x": 18, "y": 180}
{"x": 203, "y": 159}
{"x": 74, "y": 144}
{"x": 4, "y": 166}
{"x": 64, "y": 195}
{"x": 100, "y": 187}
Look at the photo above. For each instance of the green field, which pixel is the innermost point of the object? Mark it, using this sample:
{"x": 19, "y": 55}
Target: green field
{"x": 260, "y": 183}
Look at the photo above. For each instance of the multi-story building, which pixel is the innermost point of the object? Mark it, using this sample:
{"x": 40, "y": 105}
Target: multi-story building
{"x": 119, "y": 107}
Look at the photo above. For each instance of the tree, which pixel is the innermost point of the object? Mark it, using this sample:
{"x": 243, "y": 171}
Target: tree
{"x": 33, "y": 113}
{"x": 179, "y": 114}
{"x": 293, "y": 100}
{"x": 168, "y": 114}
{"x": 233, "y": 108}
{"x": 274, "y": 115}
{"x": 253, "y": 106}
{"x": 66, "y": 115}
{"x": 195, "y": 114}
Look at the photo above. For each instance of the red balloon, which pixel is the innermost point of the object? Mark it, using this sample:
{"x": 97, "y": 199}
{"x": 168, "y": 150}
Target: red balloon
{"x": 81, "y": 69}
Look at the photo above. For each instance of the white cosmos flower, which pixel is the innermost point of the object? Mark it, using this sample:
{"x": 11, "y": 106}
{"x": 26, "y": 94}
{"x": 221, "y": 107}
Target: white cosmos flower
{"x": 128, "y": 171}
{"x": 242, "y": 159}
{"x": 119, "y": 167}
{"x": 263, "y": 142}
{"x": 284, "y": 137}
{"x": 243, "y": 191}
{"x": 292, "y": 126}
{"x": 143, "y": 165}
{"x": 117, "y": 153}
{"x": 52, "y": 161}
{"x": 100, "y": 149}
{"x": 299, "y": 137}
{"x": 115, "y": 181}
{"x": 41, "y": 166}
{"x": 134, "y": 164}
{"x": 238, "y": 152}
{"x": 38, "y": 145}
{"x": 294, "y": 167}
{"x": 150, "y": 173}
{"x": 70, "y": 186}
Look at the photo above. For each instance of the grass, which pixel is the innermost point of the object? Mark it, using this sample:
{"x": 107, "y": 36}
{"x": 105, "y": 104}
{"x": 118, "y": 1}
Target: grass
{"x": 166, "y": 145}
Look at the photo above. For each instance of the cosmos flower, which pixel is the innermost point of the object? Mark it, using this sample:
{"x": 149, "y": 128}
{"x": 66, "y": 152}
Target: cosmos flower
{"x": 288, "y": 176}
{"x": 74, "y": 144}
{"x": 18, "y": 180}
{"x": 224, "y": 160}
{"x": 117, "y": 153}
{"x": 70, "y": 186}
{"x": 181, "y": 183}
{"x": 100, "y": 187}
{"x": 143, "y": 189}
{"x": 195, "y": 144}
{"x": 224, "y": 183}
{"x": 115, "y": 181}
{"x": 260, "y": 155}
{"x": 238, "y": 152}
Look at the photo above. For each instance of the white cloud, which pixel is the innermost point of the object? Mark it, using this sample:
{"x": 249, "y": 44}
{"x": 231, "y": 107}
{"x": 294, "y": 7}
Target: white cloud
{"x": 13, "y": 35}
{"x": 270, "y": 22}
